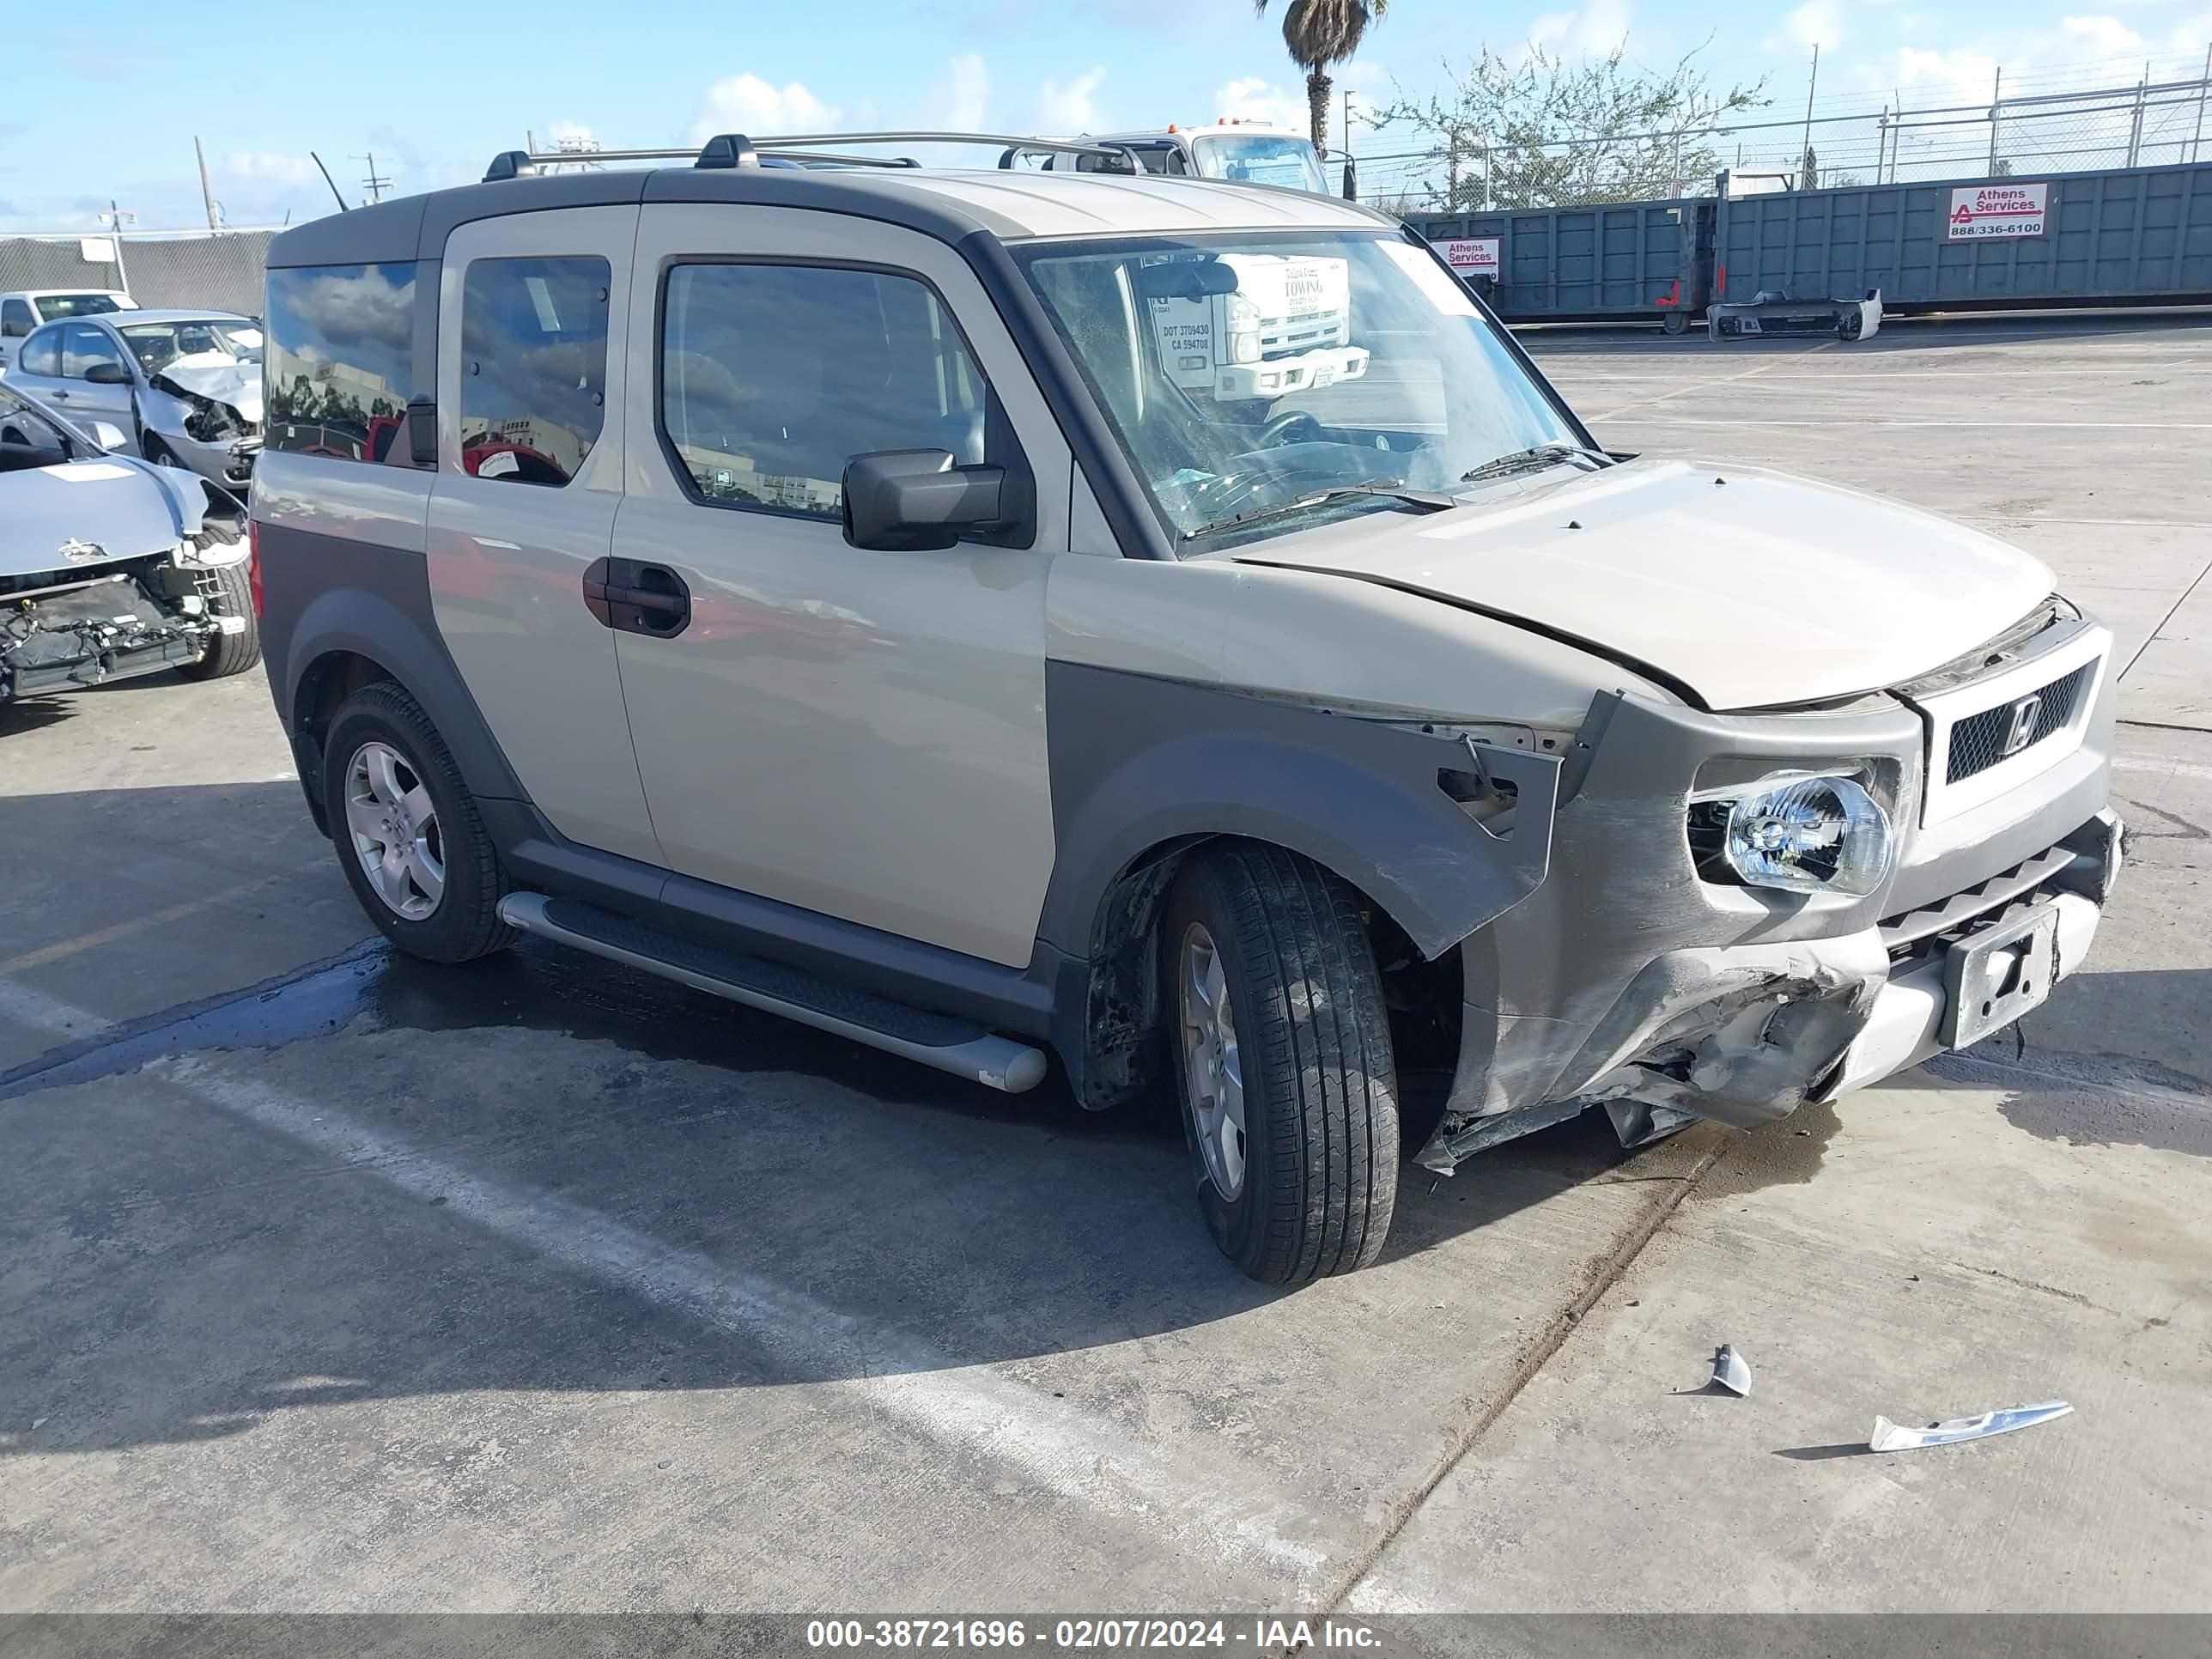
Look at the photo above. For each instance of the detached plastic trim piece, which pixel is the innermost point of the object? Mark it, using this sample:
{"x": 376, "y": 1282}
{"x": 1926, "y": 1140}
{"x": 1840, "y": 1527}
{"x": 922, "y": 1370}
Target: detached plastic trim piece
{"x": 1892, "y": 1437}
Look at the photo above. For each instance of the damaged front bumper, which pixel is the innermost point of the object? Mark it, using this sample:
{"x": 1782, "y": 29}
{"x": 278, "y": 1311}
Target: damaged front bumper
{"x": 1627, "y": 982}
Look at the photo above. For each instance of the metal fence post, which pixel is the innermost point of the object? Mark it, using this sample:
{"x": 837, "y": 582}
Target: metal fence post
{"x": 2135, "y": 127}
{"x": 1996, "y": 106}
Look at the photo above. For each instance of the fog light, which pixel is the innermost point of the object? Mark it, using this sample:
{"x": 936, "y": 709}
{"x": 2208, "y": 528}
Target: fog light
{"x": 1808, "y": 834}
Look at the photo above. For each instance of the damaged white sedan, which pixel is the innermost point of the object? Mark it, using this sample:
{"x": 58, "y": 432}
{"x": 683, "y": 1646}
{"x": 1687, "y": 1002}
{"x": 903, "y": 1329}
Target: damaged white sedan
{"x": 184, "y": 385}
{"x": 111, "y": 568}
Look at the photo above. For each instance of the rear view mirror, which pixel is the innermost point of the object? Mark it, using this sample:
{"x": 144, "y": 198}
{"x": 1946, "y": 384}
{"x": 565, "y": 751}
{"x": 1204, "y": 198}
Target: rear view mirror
{"x": 911, "y": 501}
{"x": 107, "y": 374}
{"x": 1186, "y": 279}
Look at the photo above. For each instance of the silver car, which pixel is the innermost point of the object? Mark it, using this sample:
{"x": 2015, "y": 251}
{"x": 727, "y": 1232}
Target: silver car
{"x": 110, "y": 567}
{"x": 184, "y": 385}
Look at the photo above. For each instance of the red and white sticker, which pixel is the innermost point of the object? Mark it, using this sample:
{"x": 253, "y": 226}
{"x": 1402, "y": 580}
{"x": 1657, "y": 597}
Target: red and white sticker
{"x": 1978, "y": 211}
{"x": 1471, "y": 255}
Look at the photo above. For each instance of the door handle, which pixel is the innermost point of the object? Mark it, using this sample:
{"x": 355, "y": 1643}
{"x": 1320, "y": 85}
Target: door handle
{"x": 58, "y": 395}
{"x": 637, "y": 598}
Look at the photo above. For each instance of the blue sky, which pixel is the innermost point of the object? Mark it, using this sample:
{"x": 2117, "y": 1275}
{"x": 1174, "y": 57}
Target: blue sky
{"x": 435, "y": 90}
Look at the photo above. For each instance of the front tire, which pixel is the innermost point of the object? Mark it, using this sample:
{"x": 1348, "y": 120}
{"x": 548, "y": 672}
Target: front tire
{"x": 229, "y": 590}
{"x": 408, "y": 832}
{"x": 1282, "y": 1053}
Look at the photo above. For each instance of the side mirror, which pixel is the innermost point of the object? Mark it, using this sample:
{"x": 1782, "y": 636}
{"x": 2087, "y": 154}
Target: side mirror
{"x": 107, "y": 374}
{"x": 108, "y": 435}
{"x": 912, "y": 501}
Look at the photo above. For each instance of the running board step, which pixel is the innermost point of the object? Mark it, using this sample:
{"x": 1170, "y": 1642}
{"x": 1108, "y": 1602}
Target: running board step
{"x": 951, "y": 1045}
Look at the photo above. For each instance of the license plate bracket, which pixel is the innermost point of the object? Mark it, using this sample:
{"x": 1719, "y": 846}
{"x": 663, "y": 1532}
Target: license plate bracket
{"x": 1992, "y": 977}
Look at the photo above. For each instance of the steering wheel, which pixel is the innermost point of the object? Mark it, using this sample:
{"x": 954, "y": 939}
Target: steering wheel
{"x": 1278, "y": 430}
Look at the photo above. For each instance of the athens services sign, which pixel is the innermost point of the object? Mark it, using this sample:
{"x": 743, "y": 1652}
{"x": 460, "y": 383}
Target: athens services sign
{"x": 1471, "y": 255}
{"x": 1978, "y": 211}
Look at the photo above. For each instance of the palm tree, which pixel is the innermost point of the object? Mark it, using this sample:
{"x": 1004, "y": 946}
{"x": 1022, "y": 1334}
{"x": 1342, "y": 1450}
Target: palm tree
{"x": 1320, "y": 32}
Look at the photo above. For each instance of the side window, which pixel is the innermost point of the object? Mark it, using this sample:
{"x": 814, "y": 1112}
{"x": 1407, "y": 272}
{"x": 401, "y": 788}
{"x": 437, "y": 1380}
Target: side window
{"x": 772, "y": 377}
{"x": 83, "y": 346}
{"x": 42, "y": 354}
{"x": 338, "y": 361}
{"x": 15, "y": 319}
{"x": 533, "y": 367}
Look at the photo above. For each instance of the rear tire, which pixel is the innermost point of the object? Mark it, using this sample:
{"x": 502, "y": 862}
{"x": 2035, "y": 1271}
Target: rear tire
{"x": 399, "y": 807}
{"x": 1275, "y": 1007}
{"x": 229, "y": 593}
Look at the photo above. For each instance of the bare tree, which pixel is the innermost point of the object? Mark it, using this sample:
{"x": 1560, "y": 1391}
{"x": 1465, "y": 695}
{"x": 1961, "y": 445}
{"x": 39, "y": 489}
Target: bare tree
{"x": 1318, "y": 34}
{"x": 1542, "y": 131}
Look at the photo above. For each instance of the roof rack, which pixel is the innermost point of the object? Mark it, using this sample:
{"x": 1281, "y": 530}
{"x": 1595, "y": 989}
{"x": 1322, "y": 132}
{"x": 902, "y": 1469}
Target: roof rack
{"x": 734, "y": 150}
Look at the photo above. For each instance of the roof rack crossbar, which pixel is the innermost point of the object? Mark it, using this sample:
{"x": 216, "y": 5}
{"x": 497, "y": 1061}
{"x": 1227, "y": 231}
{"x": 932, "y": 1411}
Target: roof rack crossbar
{"x": 731, "y": 149}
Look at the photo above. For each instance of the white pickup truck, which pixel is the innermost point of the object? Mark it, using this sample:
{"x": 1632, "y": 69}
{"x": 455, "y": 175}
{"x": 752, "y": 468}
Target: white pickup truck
{"x": 1285, "y": 327}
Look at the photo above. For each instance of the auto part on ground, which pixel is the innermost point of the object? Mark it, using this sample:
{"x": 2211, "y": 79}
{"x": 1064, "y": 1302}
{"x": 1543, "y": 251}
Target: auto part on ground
{"x": 1730, "y": 1371}
{"x": 1767, "y": 312}
{"x": 1894, "y": 1437}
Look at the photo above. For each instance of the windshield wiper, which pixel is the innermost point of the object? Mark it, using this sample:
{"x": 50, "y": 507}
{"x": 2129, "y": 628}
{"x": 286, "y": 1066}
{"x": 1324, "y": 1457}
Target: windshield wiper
{"x": 1392, "y": 488}
{"x": 1529, "y": 461}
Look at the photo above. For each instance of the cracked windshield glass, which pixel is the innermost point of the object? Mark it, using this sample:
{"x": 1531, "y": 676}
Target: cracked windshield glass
{"x": 1282, "y": 382}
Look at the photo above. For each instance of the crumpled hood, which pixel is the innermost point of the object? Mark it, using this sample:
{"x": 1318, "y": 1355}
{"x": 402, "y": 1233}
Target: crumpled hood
{"x": 110, "y": 509}
{"x": 1751, "y": 587}
{"x": 209, "y": 374}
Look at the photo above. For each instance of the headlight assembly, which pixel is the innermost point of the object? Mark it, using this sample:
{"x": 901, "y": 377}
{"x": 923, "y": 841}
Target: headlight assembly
{"x": 1809, "y": 832}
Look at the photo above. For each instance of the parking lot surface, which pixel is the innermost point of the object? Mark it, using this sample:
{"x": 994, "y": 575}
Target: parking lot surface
{"x": 333, "y": 1281}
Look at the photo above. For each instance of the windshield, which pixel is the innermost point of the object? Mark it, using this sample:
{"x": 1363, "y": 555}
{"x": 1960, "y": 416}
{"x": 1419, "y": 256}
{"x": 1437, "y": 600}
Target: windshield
{"x": 1260, "y": 158}
{"x": 53, "y": 306}
{"x": 1249, "y": 372}
{"x": 196, "y": 342}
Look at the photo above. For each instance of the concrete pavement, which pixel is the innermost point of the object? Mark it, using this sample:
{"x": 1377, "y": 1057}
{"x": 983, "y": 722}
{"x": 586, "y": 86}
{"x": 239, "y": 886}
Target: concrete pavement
{"x": 540, "y": 1285}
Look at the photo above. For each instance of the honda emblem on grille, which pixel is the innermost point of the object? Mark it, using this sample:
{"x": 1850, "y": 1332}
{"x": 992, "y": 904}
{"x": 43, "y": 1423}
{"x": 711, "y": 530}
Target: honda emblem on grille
{"x": 2022, "y": 730}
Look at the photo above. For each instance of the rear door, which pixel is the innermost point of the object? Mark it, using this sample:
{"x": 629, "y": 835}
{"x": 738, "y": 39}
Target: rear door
{"x": 37, "y": 368}
{"x": 531, "y": 373}
{"x": 17, "y": 319}
{"x": 858, "y": 733}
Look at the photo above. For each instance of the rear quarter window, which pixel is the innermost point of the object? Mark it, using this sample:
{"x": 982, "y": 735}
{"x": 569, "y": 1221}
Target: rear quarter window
{"x": 339, "y": 361}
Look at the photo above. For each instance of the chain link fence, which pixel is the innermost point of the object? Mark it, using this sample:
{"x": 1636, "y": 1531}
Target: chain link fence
{"x": 2150, "y": 123}
{"x": 214, "y": 272}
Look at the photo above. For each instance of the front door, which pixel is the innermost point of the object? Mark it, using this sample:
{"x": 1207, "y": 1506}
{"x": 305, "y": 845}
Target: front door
{"x": 530, "y": 371}
{"x": 84, "y": 345}
{"x": 858, "y": 733}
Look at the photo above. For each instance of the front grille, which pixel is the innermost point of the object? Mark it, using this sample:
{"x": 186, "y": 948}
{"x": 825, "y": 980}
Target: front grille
{"x": 1977, "y": 742}
{"x": 1916, "y": 933}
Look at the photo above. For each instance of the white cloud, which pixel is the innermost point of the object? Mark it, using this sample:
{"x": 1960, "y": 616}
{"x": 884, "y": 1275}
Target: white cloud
{"x": 1815, "y": 23}
{"x": 2099, "y": 37}
{"x": 968, "y": 93}
{"x": 1254, "y": 98}
{"x": 1594, "y": 30}
{"x": 1069, "y": 108}
{"x": 269, "y": 165}
{"x": 745, "y": 103}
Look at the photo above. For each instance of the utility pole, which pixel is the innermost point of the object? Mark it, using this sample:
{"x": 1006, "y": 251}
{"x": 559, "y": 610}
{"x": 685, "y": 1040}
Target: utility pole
{"x": 1811, "y": 82}
{"x": 115, "y": 218}
{"x": 207, "y": 195}
{"x": 375, "y": 186}
{"x": 2135, "y": 127}
{"x": 1996, "y": 102}
{"x": 2198, "y": 137}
